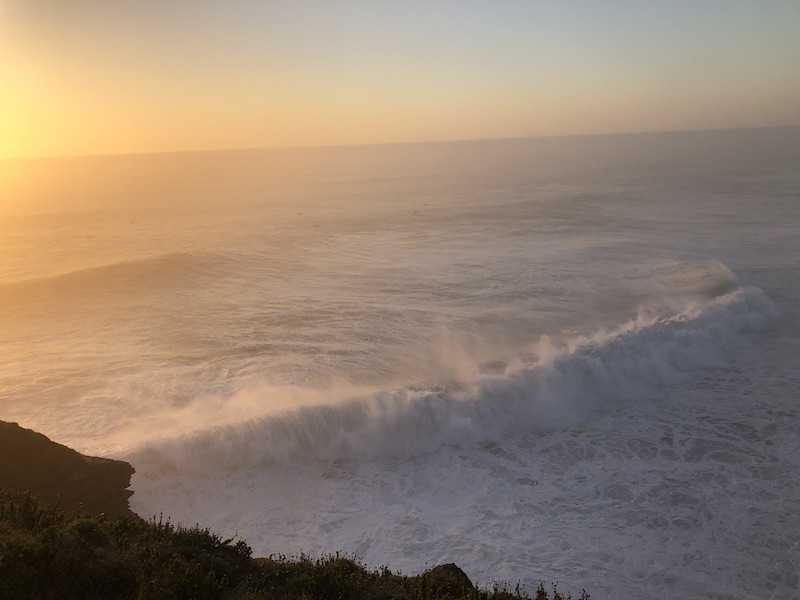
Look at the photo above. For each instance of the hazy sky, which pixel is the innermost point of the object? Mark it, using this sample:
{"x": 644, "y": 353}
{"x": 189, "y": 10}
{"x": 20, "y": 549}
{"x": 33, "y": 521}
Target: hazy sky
{"x": 110, "y": 76}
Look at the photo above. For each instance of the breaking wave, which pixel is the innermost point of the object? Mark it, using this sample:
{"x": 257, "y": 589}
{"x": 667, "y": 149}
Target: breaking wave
{"x": 562, "y": 387}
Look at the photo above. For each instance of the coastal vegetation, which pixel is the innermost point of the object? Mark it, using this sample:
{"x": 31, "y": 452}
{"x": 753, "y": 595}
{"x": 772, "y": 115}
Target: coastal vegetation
{"x": 67, "y": 533}
{"x": 49, "y": 553}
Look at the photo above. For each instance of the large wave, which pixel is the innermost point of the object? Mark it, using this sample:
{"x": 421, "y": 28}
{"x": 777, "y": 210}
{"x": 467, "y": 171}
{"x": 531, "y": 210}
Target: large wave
{"x": 562, "y": 387}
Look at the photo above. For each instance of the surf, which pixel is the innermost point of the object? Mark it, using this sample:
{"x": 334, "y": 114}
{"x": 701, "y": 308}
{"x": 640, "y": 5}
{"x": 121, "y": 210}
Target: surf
{"x": 564, "y": 386}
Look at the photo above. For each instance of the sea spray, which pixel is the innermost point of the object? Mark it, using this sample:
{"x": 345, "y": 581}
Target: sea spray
{"x": 564, "y": 387}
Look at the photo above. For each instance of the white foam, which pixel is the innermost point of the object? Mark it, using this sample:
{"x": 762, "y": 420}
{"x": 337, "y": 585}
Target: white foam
{"x": 564, "y": 387}
{"x": 672, "y": 489}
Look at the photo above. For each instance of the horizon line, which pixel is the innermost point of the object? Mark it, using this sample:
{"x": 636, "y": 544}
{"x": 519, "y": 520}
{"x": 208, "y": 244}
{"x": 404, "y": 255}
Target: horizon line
{"x": 399, "y": 143}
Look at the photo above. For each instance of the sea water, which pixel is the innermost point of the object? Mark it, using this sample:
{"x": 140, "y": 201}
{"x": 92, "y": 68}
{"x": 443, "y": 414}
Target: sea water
{"x": 565, "y": 359}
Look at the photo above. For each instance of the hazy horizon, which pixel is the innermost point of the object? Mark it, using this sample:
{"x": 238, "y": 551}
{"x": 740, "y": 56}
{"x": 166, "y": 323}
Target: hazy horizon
{"x": 403, "y": 143}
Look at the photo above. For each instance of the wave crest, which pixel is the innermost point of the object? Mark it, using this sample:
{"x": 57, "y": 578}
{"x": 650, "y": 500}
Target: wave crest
{"x": 564, "y": 387}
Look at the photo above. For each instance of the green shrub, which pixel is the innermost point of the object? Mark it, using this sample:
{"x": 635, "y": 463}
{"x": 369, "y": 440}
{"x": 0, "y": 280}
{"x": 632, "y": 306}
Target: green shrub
{"x": 47, "y": 554}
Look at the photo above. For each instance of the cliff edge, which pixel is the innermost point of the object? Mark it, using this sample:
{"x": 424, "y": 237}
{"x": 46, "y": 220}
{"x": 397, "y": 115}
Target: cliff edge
{"x": 31, "y": 462}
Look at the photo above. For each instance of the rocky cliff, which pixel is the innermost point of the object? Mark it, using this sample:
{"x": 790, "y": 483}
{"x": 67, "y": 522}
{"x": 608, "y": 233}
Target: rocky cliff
{"x": 30, "y": 462}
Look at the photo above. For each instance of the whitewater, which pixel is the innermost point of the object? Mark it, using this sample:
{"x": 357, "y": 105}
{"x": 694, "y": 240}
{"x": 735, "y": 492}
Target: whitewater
{"x": 560, "y": 359}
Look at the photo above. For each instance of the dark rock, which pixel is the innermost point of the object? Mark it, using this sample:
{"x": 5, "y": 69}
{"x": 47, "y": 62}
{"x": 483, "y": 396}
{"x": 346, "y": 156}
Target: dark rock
{"x": 30, "y": 462}
{"x": 449, "y": 580}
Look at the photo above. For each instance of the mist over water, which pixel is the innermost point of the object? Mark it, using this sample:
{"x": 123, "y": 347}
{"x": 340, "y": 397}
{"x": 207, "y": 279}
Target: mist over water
{"x": 566, "y": 359}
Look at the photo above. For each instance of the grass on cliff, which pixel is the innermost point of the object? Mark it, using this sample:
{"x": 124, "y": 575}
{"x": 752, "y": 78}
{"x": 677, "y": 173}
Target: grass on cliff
{"x": 47, "y": 554}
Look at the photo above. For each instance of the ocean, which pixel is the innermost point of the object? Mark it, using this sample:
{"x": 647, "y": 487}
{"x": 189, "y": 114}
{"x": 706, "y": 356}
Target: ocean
{"x": 562, "y": 359}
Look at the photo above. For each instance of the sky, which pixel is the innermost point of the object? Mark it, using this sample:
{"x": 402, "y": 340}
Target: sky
{"x": 123, "y": 76}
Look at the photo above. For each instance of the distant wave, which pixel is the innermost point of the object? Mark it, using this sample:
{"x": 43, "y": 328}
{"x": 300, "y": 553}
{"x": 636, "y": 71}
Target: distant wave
{"x": 166, "y": 270}
{"x": 708, "y": 278}
{"x": 564, "y": 387}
